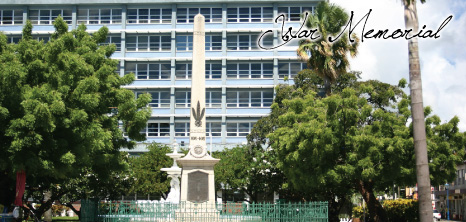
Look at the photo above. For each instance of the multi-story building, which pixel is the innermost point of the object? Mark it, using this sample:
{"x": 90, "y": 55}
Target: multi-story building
{"x": 455, "y": 198}
{"x": 154, "y": 40}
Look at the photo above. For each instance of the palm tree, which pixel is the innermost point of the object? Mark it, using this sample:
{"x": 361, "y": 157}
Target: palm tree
{"x": 328, "y": 59}
{"x": 417, "y": 109}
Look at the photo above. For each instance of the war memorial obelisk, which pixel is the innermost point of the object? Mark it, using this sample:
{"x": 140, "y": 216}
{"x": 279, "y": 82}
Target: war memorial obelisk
{"x": 197, "y": 178}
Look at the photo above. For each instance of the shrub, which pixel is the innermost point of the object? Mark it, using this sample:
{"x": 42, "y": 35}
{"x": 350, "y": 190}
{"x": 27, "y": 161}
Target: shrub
{"x": 56, "y": 209}
{"x": 401, "y": 210}
{"x": 358, "y": 212}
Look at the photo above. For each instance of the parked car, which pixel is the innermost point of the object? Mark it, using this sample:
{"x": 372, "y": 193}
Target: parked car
{"x": 437, "y": 215}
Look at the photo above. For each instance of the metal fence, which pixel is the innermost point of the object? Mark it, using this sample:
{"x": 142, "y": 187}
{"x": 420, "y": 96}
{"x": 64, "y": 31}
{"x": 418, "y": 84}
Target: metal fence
{"x": 128, "y": 211}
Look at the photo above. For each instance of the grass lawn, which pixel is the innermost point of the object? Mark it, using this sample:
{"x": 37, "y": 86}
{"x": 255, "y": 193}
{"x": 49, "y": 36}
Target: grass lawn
{"x": 65, "y": 218}
{"x": 62, "y": 219}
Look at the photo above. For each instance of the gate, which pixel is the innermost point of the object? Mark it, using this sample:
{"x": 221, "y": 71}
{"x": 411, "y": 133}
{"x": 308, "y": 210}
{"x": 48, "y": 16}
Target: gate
{"x": 128, "y": 211}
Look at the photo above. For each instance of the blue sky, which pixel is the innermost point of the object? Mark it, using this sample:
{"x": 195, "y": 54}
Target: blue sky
{"x": 443, "y": 60}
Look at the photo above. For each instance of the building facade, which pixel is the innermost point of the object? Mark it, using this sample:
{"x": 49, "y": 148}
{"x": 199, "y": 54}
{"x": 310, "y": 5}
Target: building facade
{"x": 154, "y": 40}
{"x": 455, "y": 198}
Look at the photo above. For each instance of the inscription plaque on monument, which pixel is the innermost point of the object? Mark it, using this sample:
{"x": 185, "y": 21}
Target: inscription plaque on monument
{"x": 198, "y": 187}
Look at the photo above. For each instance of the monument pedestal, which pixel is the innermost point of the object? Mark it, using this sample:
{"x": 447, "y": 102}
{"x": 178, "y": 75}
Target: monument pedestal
{"x": 197, "y": 179}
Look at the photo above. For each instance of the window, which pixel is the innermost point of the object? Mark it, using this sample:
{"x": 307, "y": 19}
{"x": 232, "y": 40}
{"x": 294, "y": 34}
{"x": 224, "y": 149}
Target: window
{"x": 183, "y": 98}
{"x": 185, "y": 42}
{"x": 42, "y": 38}
{"x": 239, "y": 129}
{"x": 246, "y": 42}
{"x": 213, "y": 98}
{"x": 113, "y": 40}
{"x": 99, "y": 16}
{"x": 143, "y": 43}
{"x": 122, "y": 128}
{"x": 213, "y": 42}
{"x": 294, "y": 13}
{"x": 250, "y": 14}
{"x": 11, "y": 17}
{"x": 158, "y": 129}
{"x": 159, "y": 99}
{"x": 246, "y": 99}
{"x": 13, "y": 39}
{"x": 47, "y": 16}
{"x": 213, "y": 70}
{"x": 149, "y": 70}
{"x": 186, "y": 15}
{"x": 213, "y": 129}
{"x": 153, "y": 15}
{"x": 249, "y": 70}
{"x": 290, "y": 69}
{"x": 182, "y": 129}
{"x": 183, "y": 71}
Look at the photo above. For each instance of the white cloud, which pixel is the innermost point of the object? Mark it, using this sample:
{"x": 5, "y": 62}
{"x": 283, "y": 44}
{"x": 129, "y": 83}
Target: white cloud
{"x": 443, "y": 60}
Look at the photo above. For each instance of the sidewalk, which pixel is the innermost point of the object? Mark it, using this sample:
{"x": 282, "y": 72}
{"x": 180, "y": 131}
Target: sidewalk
{"x": 450, "y": 220}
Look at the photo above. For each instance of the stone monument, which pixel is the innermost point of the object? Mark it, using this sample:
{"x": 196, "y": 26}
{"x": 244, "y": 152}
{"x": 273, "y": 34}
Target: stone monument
{"x": 174, "y": 173}
{"x": 197, "y": 178}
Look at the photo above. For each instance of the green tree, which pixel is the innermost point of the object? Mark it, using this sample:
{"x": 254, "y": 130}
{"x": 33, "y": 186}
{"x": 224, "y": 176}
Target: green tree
{"x": 359, "y": 139}
{"x": 305, "y": 82}
{"x": 328, "y": 59}
{"x": 417, "y": 109}
{"x": 148, "y": 179}
{"x": 60, "y": 107}
{"x": 246, "y": 170}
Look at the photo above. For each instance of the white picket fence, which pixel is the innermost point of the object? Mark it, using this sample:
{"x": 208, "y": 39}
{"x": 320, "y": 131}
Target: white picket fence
{"x": 346, "y": 220}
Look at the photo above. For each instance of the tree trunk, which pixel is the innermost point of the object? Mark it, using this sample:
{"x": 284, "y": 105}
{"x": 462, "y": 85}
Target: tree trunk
{"x": 327, "y": 85}
{"x": 376, "y": 211}
{"x": 70, "y": 205}
{"x": 417, "y": 110}
{"x": 48, "y": 212}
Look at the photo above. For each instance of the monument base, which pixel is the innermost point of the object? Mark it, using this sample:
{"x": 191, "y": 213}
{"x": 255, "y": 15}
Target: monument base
{"x": 197, "y": 212}
{"x": 197, "y": 180}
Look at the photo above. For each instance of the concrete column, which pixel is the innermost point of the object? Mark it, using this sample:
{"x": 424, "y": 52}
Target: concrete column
{"x": 74, "y": 17}
{"x": 25, "y": 14}
{"x": 123, "y": 44}
{"x": 124, "y": 11}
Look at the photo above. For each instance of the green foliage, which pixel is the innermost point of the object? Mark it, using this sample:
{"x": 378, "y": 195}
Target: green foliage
{"x": 55, "y": 117}
{"x": 328, "y": 59}
{"x": 247, "y": 170}
{"x": 401, "y": 210}
{"x": 57, "y": 209}
{"x": 356, "y": 138}
{"x": 146, "y": 170}
{"x": 358, "y": 212}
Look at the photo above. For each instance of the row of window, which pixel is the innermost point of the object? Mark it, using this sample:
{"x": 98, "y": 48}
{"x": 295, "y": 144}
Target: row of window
{"x": 151, "y": 15}
{"x": 214, "y": 129}
{"x": 235, "y": 98}
{"x": 213, "y": 70}
{"x": 11, "y": 17}
{"x": 155, "y": 43}
{"x": 144, "y": 43}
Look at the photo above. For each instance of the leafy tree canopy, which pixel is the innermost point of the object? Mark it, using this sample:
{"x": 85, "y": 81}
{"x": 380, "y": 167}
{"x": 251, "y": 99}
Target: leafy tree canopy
{"x": 358, "y": 139}
{"x": 148, "y": 179}
{"x": 248, "y": 170}
{"x": 56, "y": 103}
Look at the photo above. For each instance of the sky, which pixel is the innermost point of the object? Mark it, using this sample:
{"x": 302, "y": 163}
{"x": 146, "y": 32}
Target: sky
{"x": 443, "y": 60}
